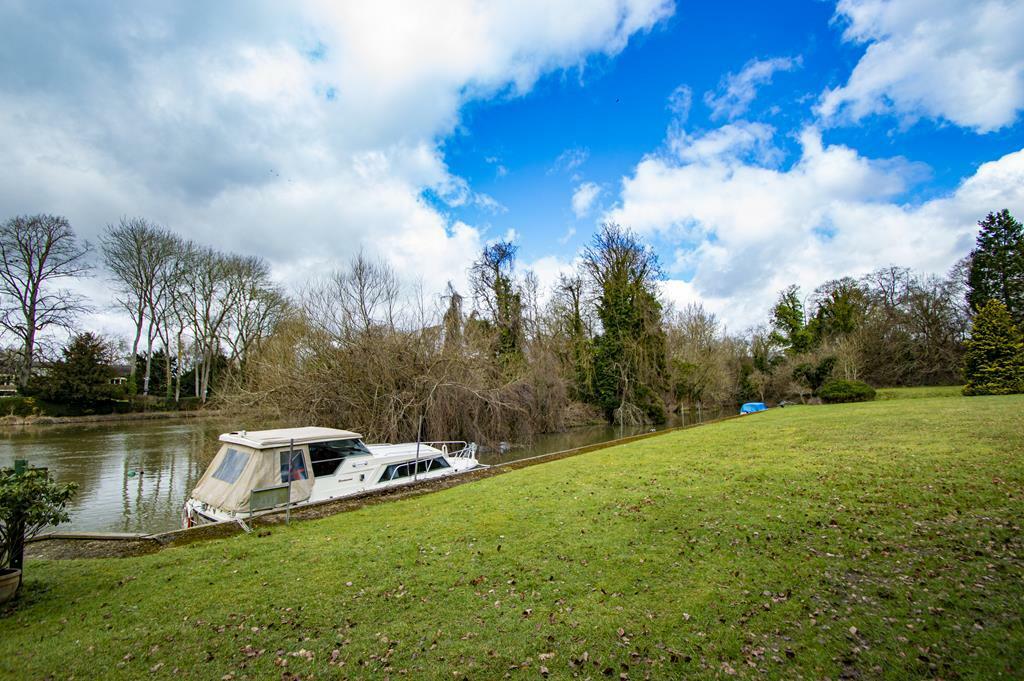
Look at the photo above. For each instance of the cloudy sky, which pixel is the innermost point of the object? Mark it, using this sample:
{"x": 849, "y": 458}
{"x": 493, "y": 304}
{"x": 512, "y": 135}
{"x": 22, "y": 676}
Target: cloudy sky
{"x": 753, "y": 144}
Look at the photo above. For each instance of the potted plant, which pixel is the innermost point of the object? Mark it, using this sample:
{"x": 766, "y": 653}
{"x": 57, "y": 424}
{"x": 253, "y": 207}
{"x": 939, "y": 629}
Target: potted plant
{"x": 29, "y": 501}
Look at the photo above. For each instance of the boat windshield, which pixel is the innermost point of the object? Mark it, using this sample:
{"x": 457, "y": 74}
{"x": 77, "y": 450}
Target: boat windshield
{"x": 326, "y": 457}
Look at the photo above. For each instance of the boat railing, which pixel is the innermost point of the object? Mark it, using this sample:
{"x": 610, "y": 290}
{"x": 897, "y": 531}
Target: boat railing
{"x": 455, "y": 448}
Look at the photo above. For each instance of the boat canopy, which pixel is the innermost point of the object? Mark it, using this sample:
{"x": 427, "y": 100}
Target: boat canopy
{"x": 281, "y": 437}
{"x": 261, "y": 459}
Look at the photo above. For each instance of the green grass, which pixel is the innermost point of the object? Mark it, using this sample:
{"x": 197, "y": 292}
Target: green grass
{"x": 919, "y": 392}
{"x": 868, "y": 540}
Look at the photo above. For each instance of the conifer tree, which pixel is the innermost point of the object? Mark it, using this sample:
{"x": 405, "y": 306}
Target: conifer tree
{"x": 994, "y": 361}
{"x": 997, "y": 265}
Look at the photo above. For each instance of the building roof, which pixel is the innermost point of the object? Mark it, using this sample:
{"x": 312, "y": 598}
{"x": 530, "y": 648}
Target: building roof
{"x": 280, "y": 437}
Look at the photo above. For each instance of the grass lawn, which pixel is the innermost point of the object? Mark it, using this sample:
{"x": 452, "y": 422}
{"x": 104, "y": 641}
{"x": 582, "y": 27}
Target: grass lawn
{"x": 919, "y": 392}
{"x": 875, "y": 540}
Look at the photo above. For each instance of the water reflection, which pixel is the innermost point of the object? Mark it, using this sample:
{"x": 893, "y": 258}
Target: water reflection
{"x": 132, "y": 477}
{"x": 135, "y": 476}
{"x": 589, "y": 435}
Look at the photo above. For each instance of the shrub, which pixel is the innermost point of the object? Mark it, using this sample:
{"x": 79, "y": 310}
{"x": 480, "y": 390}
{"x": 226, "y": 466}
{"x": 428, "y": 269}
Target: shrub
{"x": 846, "y": 391}
{"x": 994, "y": 361}
{"x": 30, "y": 500}
{"x": 17, "y": 406}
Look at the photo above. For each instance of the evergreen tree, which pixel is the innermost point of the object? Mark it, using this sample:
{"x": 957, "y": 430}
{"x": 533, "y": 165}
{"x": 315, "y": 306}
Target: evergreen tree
{"x": 82, "y": 378}
{"x": 994, "y": 361}
{"x": 997, "y": 265}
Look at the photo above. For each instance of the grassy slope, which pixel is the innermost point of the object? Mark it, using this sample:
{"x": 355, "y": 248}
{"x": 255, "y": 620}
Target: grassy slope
{"x": 920, "y": 392}
{"x": 879, "y": 539}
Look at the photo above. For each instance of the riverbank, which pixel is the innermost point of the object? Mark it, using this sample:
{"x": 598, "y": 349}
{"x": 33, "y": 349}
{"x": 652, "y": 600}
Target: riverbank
{"x": 11, "y": 421}
{"x": 853, "y": 541}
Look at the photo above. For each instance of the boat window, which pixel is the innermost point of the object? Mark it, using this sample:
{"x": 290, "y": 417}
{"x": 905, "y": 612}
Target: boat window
{"x": 298, "y": 466}
{"x": 397, "y": 471}
{"x": 394, "y": 472}
{"x": 326, "y": 457}
{"x": 231, "y": 466}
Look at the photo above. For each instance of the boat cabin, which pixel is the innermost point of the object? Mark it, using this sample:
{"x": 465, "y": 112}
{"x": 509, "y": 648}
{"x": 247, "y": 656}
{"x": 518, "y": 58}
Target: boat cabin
{"x": 257, "y": 470}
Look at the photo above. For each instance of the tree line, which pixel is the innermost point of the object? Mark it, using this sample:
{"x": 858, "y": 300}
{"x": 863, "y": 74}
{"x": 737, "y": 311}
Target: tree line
{"x": 192, "y": 308}
{"x": 362, "y": 348}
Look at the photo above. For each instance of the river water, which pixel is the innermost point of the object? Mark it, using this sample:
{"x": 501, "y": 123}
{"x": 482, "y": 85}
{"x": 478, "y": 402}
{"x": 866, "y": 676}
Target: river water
{"x": 134, "y": 476}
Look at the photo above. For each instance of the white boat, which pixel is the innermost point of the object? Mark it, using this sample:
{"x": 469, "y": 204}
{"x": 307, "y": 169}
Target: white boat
{"x": 262, "y": 470}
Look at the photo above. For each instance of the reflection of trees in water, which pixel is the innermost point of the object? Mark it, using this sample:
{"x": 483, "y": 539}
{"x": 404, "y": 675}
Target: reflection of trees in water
{"x": 73, "y": 453}
{"x": 160, "y": 467}
{"x": 132, "y": 476}
{"x": 167, "y": 462}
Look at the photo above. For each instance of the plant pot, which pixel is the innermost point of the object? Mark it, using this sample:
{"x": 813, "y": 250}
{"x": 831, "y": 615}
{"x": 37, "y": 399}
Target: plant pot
{"x": 10, "y": 578}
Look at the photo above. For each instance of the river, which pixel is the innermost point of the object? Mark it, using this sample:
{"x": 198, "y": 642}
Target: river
{"x": 134, "y": 476}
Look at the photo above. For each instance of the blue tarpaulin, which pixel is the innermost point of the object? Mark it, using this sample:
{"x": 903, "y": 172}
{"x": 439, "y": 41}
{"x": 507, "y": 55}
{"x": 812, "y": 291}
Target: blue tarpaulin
{"x": 751, "y": 407}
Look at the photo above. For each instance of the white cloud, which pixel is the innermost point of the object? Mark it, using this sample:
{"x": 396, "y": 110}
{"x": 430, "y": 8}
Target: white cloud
{"x": 679, "y": 103}
{"x": 957, "y": 61}
{"x": 583, "y": 198}
{"x": 488, "y": 203}
{"x": 299, "y": 132}
{"x": 570, "y": 160}
{"x": 737, "y": 90}
{"x": 548, "y": 269}
{"x": 733, "y": 140}
{"x": 744, "y": 230}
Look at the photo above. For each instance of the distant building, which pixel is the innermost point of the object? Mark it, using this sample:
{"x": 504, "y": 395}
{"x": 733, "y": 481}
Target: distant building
{"x": 8, "y": 384}
{"x": 122, "y": 372}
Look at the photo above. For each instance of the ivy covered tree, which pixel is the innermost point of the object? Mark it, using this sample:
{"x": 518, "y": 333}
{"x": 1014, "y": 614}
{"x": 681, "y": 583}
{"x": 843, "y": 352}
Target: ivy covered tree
{"x": 813, "y": 374}
{"x": 789, "y": 328}
{"x": 568, "y": 308}
{"x": 629, "y": 354}
{"x": 840, "y": 306}
{"x": 496, "y": 291}
{"x": 997, "y": 265}
{"x": 994, "y": 360}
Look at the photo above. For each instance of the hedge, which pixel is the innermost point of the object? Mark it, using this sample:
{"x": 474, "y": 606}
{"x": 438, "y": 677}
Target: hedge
{"x": 846, "y": 391}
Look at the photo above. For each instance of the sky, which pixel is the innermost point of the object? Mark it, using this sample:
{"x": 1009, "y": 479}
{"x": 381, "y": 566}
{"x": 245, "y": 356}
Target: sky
{"x": 753, "y": 145}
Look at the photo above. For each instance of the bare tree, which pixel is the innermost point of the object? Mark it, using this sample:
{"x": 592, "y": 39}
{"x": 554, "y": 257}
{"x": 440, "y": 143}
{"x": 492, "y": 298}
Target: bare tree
{"x": 140, "y": 254}
{"x": 259, "y": 306}
{"x": 209, "y": 292}
{"x": 368, "y": 292}
{"x": 167, "y": 308}
{"x": 38, "y": 251}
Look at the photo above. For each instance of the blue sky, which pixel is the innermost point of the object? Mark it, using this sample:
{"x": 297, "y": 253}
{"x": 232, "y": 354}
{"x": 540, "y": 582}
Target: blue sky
{"x": 615, "y": 110}
{"x": 753, "y": 144}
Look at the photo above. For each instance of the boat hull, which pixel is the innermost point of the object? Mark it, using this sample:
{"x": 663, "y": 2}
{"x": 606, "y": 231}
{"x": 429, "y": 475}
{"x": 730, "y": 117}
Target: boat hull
{"x": 196, "y": 512}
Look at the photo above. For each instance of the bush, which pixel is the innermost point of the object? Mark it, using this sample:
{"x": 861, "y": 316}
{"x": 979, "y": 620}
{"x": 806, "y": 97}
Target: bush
{"x": 846, "y": 391}
{"x": 994, "y": 360}
{"x": 17, "y": 406}
{"x": 30, "y": 500}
